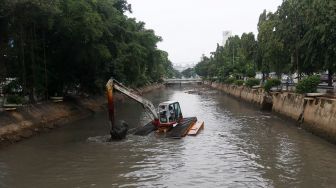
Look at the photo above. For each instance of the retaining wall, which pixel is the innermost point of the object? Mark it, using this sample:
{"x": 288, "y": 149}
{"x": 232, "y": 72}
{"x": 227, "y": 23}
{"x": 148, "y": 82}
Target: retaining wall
{"x": 32, "y": 119}
{"x": 316, "y": 114}
{"x": 320, "y": 117}
{"x": 288, "y": 104}
{"x": 251, "y": 95}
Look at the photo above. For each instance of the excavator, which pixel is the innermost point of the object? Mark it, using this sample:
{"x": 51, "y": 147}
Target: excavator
{"x": 167, "y": 118}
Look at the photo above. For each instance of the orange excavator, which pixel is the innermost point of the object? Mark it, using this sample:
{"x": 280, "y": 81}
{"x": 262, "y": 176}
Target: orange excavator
{"x": 167, "y": 118}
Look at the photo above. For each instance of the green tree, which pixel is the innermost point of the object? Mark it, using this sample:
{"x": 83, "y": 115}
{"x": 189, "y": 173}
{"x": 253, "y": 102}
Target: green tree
{"x": 273, "y": 54}
{"x": 292, "y": 28}
{"x": 62, "y": 45}
{"x": 249, "y": 50}
{"x": 189, "y": 72}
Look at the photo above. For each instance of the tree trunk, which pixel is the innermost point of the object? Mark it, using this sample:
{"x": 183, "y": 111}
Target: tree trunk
{"x": 23, "y": 64}
{"x": 2, "y": 65}
{"x": 32, "y": 66}
{"x": 263, "y": 77}
{"x": 297, "y": 63}
{"x": 330, "y": 77}
{"x": 45, "y": 67}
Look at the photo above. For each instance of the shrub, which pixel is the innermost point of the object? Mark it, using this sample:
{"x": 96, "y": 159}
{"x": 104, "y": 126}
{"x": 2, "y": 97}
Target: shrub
{"x": 13, "y": 87}
{"x": 14, "y": 99}
{"x": 252, "y": 82}
{"x": 230, "y": 80}
{"x": 239, "y": 82}
{"x": 271, "y": 83}
{"x": 212, "y": 79}
{"x": 308, "y": 85}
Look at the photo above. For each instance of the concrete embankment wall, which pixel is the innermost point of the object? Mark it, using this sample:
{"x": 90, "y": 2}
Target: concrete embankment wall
{"x": 288, "y": 104}
{"x": 31, "y": 120}
{"x": 316, "y": 114}
{"x": 320, "y": 116}
{"x": 248, "y": 94}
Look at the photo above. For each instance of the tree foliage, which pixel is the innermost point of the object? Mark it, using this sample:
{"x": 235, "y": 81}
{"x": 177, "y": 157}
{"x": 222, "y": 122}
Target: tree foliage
{"x": 189, "y": 72}
{"x": 236, "y": 58}
{"x": 65, "y": 45}
{"x": 299, "y": 37}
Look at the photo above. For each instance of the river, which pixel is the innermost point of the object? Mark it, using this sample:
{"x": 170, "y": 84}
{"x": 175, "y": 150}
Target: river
{"x": 239, "y": 147}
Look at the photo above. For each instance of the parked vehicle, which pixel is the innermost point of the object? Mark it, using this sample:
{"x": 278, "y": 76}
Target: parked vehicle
{"x": 324, "y": 77}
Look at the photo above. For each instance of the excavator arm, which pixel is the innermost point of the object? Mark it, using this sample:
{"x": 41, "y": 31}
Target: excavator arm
{"x": 114, "y": 84}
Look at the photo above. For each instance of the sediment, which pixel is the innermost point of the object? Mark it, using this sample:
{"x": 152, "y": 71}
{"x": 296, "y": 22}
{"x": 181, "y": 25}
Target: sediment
{"x": 315, "y": 114}
{"x": 30, "y": 120}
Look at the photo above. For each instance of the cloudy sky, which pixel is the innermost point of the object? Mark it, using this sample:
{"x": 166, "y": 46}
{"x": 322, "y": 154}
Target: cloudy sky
{"x": 190, "y": 28}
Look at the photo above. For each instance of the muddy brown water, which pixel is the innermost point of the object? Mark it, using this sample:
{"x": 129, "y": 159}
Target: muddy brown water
{"x": 239, "y": 147}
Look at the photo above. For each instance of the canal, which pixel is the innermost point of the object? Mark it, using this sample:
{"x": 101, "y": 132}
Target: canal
{"x": 239, "y": 147}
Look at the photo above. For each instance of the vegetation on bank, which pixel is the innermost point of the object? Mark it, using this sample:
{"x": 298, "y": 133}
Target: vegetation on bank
{"x": 269, "y": 84}
{"x": 252, "y": 82}
{"x": 308, "y": 85}
{"x": 59, "y": 46}
{"x": 298, "y": 38}
{"x": 239, "y": 82}
{"x": 189, "y": 72}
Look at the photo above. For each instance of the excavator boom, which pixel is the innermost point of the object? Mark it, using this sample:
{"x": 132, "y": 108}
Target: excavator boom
{"x": 147, "y": 105}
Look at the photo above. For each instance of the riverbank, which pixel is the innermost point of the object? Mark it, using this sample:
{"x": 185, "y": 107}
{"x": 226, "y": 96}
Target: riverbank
{"x": 315, "y": 114}
{"x": 31, "y": 120}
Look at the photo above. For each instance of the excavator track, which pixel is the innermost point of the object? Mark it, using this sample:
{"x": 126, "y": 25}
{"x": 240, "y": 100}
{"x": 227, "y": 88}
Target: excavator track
{"x": 181, "y": 129}
{"x": 145, "y": 130}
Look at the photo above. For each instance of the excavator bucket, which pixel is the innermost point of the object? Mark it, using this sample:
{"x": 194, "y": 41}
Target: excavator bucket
{"x": 119, "y": 132}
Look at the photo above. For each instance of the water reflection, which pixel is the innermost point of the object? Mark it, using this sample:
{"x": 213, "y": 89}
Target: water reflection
{"x": 239, "y": 147}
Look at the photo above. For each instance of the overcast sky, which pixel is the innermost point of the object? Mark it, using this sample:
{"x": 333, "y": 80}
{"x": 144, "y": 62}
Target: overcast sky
{"x": 190, "y": 28}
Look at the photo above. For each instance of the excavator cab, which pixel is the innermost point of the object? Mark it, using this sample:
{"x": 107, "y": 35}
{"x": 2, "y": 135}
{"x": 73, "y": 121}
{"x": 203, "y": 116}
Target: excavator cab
{"x": 169, "y": 113}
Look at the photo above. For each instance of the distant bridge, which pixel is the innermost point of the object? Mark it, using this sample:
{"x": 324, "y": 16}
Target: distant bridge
{"x": 183, "y": 81}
